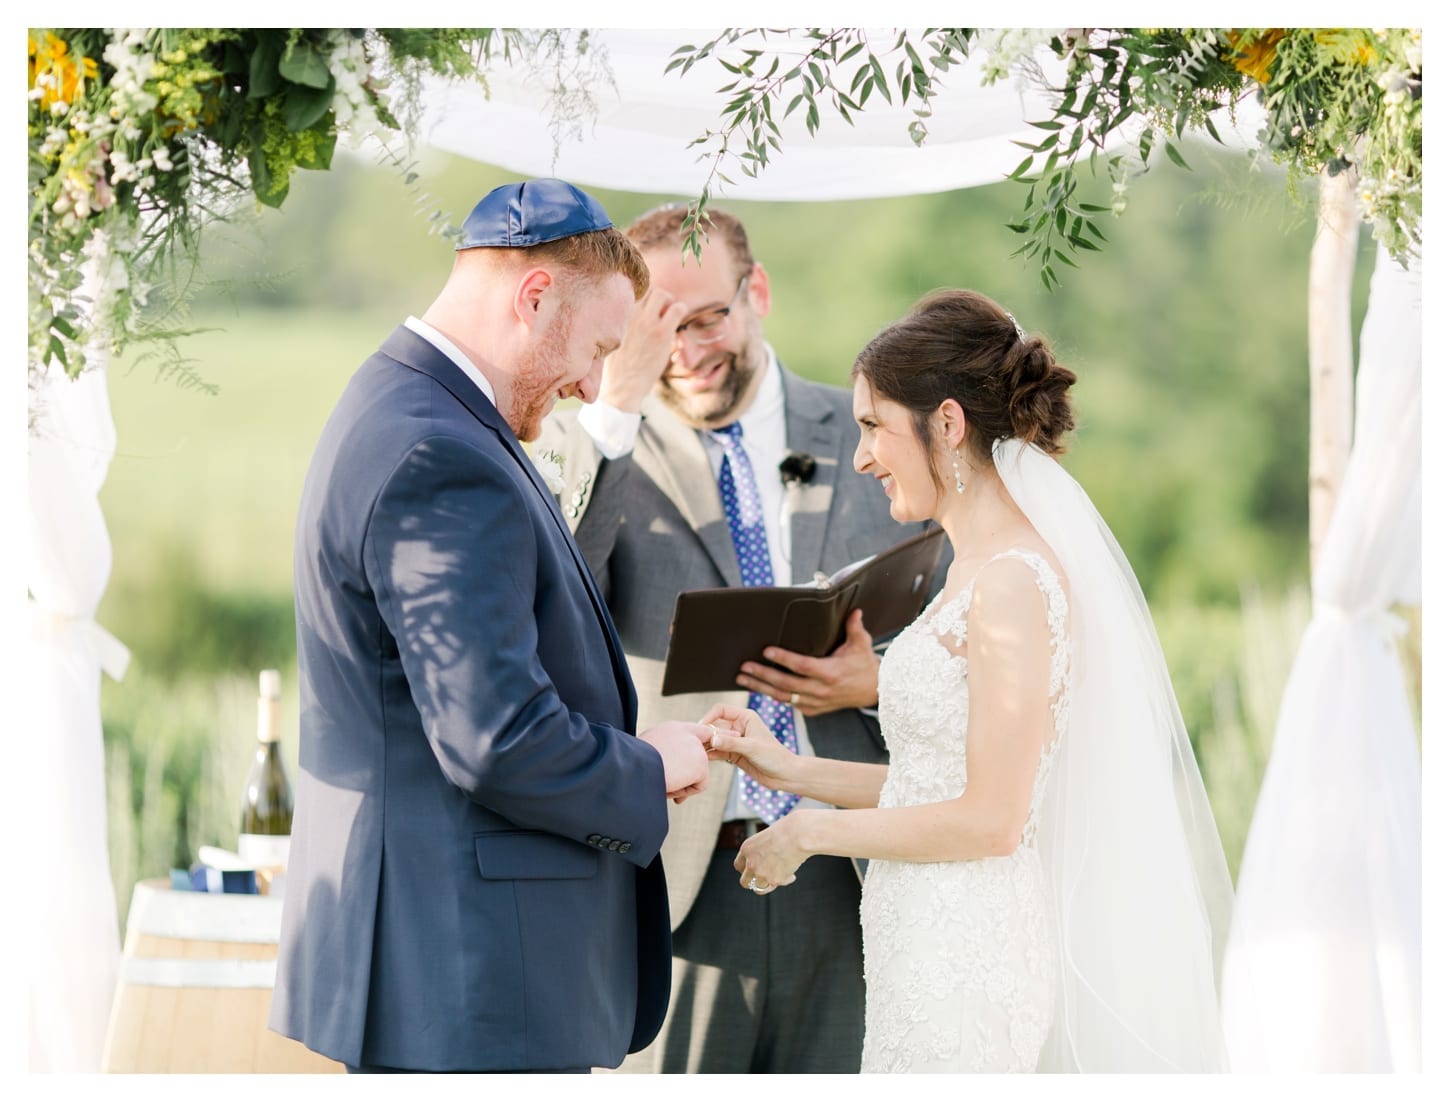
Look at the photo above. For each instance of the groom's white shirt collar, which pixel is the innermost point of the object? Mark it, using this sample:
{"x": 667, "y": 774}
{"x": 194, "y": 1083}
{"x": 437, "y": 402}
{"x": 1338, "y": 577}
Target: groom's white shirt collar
{"x": 454, "y": 353}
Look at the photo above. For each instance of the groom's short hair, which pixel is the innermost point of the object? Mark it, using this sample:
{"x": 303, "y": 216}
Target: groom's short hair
{"x": 592, "y": 255}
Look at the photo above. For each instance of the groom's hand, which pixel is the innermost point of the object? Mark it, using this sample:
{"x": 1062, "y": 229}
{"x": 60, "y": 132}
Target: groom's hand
{"x": 845, "y": 678}
{"x": 681, "y": 746}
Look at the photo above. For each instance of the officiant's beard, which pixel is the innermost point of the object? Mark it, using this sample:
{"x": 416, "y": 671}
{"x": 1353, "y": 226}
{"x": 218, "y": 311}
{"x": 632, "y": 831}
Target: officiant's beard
{"x": 724, "y": 404}
{"x": 537, "y": 382}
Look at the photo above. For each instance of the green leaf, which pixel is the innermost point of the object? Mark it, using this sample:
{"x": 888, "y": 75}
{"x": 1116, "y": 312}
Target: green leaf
{"x": 1093, "y": 229}
{"x": 1182, "y": 117}
{"x": 1064, "y": 258}
{"x": 1212, "y": 130}
{"x": 1048, "y": 125}
{"x": 63, "y": 327}
{"x": 301, "y": 63}
{"x": 302, "y": 106}
{"x": 878, "y": 74}
{"x": 794, "y": 103}
{"x": 1084, "y": 243}
{"x": 1017, "y": 172}
{"x": 1175, "y": 156}
{"x": 319, "y": 155}
{"x": 1095, "y": 207}
{"x": 262, "y": 78}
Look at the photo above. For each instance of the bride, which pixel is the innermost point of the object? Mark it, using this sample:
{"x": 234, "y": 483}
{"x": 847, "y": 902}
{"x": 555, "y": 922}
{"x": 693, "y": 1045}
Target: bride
{"x": 1046, "y": 887}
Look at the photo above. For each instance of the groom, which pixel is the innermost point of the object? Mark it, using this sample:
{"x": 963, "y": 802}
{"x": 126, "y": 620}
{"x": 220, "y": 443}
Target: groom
{"x": 474, "y": 881}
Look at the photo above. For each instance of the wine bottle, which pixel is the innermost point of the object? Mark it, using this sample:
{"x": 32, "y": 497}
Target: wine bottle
{"x": 267, "y": 800}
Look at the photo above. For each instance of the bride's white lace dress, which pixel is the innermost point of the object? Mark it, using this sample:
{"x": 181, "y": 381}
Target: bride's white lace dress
{"x": 960, "y": 956}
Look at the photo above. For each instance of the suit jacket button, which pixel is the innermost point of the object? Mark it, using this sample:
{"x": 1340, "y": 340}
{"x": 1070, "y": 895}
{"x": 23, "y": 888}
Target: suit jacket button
{"x": 571, "y": 511}
{"x": 593, "y": 839}
{"x": 625, "y": 847}
{"x": 615, "y": 843}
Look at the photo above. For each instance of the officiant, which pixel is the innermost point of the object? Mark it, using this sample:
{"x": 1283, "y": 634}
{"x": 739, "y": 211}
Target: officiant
{"x": 704, "y": 463}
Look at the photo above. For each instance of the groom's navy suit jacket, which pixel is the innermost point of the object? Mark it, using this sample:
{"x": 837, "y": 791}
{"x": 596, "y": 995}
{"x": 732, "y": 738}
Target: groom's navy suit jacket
{"x": 474, "y": 880}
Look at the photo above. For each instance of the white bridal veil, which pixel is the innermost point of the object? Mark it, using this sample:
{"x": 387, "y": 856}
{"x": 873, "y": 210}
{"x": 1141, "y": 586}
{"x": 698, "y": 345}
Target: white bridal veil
{"x": 1129, "y": 846}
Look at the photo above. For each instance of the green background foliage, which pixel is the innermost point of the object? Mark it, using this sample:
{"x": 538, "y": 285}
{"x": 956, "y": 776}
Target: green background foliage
{"x": 1187, "y": 333}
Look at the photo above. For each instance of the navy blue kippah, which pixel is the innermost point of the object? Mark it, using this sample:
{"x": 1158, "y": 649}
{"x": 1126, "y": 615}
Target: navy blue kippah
{"x": 519, "y": 215}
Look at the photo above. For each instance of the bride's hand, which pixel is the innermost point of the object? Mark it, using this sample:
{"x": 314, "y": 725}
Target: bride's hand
{"x": 769, "y": 860}
{"x": 742, "y": 738}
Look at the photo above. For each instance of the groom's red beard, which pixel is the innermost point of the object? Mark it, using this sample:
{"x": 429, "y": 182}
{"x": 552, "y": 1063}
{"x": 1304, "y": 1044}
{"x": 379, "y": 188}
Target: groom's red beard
{"x": 538, "y": 379}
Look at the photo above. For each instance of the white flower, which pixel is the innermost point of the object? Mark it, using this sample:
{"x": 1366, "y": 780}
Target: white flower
{"x": 551, "y": 468}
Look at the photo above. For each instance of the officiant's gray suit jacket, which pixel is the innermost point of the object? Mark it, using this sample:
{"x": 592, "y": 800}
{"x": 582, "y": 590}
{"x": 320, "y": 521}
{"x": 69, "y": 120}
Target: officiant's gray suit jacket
{"x": 650, "y": 524}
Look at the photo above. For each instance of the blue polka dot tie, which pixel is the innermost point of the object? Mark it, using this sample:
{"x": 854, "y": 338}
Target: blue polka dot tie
{"x": 741, "y": 500}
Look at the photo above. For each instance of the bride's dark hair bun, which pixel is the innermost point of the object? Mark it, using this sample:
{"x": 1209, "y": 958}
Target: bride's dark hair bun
{"x": 1037, "y": 403}
{"x": 960, "y": 344}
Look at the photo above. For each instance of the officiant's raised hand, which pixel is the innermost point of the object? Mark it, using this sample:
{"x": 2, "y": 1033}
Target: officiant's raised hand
{"x": 845, "y": 678}
{"x": 683, "y": 749}
{"x": 631, "y": 371}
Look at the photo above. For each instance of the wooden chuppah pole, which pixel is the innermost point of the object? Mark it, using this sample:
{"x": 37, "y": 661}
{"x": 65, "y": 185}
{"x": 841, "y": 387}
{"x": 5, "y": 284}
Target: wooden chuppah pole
{"x": 1331, "y": 352}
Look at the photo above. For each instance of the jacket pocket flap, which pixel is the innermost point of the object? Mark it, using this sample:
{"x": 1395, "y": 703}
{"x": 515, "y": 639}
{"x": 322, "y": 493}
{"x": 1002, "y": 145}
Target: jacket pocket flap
{"x": 532, "y": 855}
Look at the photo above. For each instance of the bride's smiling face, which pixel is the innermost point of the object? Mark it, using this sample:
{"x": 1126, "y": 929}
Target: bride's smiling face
{"x": 891, "y": 452}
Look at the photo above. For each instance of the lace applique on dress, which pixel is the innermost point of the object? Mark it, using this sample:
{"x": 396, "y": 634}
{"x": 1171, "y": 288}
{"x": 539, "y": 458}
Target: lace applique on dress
{"x": 960, "y": 955}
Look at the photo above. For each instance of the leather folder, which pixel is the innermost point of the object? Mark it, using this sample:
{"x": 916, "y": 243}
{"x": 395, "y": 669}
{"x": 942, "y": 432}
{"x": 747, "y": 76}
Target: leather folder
{"x": 714, "y": 631}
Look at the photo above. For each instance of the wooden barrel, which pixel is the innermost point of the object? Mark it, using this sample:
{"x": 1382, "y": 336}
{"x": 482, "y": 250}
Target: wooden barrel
{"x": 195, "y": 986}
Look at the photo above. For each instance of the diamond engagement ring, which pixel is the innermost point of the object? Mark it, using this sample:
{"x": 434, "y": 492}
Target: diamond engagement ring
{"x": 755, "y": 887}
{"x": 795, "y": 699}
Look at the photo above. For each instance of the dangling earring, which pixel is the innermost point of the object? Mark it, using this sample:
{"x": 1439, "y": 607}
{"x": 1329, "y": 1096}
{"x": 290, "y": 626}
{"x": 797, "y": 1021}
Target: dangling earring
{"x": 956, "y": 470}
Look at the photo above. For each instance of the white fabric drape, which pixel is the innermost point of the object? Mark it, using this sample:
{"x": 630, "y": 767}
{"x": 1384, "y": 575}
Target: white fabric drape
{"x": 1323, "y": 965}
{"x": 73, "y": 949}
{"x": 638, "y": 138}
{"x": 637, "y": 135}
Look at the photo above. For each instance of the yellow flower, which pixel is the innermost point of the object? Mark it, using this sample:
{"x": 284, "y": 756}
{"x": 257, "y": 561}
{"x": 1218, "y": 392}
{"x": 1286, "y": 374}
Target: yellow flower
{"x": 1346, "y": 47}
{"x": 1255, "y": 56}
{"x": 65, "y": 78}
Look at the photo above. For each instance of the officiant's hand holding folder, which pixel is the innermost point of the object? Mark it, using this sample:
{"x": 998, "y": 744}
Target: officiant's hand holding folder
{"x": 714, "y": 631}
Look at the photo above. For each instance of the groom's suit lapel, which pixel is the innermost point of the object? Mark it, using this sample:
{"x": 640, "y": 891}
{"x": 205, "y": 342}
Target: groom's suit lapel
{"x": 414, "y": 352}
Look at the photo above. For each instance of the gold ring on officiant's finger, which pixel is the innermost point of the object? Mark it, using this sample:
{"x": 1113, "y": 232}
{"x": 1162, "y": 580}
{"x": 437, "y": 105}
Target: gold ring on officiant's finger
{"x": 795, "y": 699}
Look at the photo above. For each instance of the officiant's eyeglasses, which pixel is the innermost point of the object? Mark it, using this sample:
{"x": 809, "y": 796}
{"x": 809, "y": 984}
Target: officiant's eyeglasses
{"x": 709, "y": 327}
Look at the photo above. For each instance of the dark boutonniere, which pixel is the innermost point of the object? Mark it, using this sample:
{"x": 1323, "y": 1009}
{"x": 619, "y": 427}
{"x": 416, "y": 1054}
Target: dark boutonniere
{"x": 797, "y": 467}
